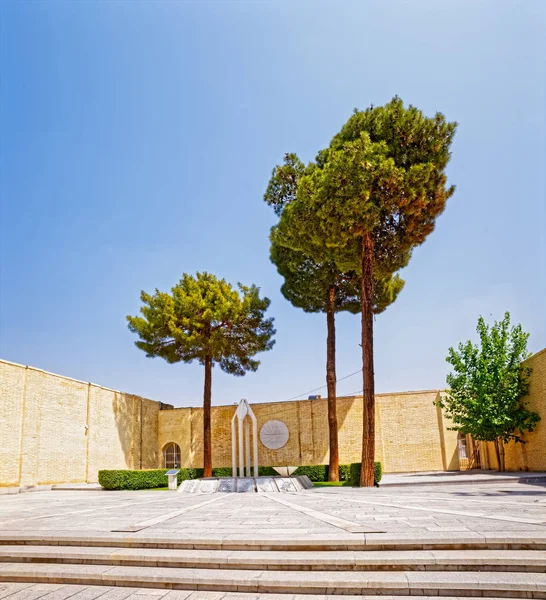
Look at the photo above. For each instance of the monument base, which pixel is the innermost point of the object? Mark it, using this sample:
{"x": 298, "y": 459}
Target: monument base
{"x": 257, "y": 485}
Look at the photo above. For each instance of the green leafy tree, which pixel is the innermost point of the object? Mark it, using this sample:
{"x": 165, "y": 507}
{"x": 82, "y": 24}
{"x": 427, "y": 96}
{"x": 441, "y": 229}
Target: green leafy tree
{"x": 488, "y": 385}
{"x": 372, "y": 195}
{"x": 205, "y": 319}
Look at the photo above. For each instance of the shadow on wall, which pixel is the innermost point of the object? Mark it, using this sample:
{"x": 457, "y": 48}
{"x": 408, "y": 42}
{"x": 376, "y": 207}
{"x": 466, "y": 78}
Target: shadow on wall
{"x": 136, "y": 421}
{"x": 122, "y": 431}
{"x": 127, "y": 416}
{"x": 449, "y": 451}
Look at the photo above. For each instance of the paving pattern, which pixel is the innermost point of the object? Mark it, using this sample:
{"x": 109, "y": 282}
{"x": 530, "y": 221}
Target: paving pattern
{"x": 25, "y": 591}
{"x": 484, "y": 539}
{"x": 512, "y": 509}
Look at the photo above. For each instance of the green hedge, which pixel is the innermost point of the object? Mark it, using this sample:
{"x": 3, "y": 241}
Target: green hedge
{"x": 155, "y": 478}
{"x": 133, "y": 480}
{"x": 142, "y": 480}
{"x": 314, "y": 472}
{"x": 227, "y": 472}
{"x": 355, "y": 473}
{"x": 344, "y": 472}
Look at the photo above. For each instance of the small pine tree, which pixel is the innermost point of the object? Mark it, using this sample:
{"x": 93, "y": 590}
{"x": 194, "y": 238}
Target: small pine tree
{"x": 205, "y": 319}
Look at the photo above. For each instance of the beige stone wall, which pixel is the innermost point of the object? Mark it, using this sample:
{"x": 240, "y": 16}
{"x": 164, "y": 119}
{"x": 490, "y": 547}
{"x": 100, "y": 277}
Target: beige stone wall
{"x": 410, "y": 431}
{"x": 12, "y": 392}
{"x": 55, "y": 429}
{"x": 530, "y": 456}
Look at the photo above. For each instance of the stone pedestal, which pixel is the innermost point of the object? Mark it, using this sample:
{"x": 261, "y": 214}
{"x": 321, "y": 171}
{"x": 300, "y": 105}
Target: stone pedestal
{"x": 256, "y": 485}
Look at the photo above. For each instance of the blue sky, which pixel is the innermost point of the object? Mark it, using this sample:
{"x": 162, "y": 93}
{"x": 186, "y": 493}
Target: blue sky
{"x": 137, "y": 139}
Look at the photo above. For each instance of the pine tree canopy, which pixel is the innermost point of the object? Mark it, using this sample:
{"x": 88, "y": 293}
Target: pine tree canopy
{"x": 382, "y": 174}
{"x": 202, "y": 317}
{"x": 306, "y": 283}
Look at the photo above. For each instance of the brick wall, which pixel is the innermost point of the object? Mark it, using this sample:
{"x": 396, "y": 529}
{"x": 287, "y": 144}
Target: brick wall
{"x": 410, "y": 433}
{"x": 55, "y": 429}
{"x": 530, "y": 456}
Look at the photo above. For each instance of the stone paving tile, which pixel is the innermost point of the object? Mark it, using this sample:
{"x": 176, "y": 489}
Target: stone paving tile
{"x": 177, "y": 594}
{"x": 148, "y": 594}
{"x": 92, "y": 592}
{"x": 7, "y": 589}
{"x": 94, "y": 512}
{"x": 117, "y": 593}
{"x": 63, "y": 592}
{"x": 33, "y": 592}
{"x": 79, "y": 592}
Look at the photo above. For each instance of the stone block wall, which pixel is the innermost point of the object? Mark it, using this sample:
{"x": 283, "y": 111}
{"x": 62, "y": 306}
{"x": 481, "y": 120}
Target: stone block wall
{"x": 410, "y": 433}
{"x": 530, "y": 456}
{"x": 55, "y": 429}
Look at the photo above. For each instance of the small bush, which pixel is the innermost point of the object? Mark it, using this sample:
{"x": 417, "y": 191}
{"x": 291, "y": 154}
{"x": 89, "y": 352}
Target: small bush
{"x": 133, "y": 480}
{"x": 148, "y": 479}
{"x": 321, "y": 472}
{"x": 344, "y": 472}
{"x": 314, "y": 472}
{"x": 222, "y": 472}
{"x": 154, "y": 478}
{"x": 267, "y": 472}
{"x": 355, "y": 473}
{"x": 191, "y": 473}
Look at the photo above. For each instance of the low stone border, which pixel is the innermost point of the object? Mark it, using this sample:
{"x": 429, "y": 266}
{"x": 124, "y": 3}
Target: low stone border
{"x": 259, "y": 485}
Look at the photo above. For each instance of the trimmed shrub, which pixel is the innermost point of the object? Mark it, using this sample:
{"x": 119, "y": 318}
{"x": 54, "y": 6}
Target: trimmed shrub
{"x": 314, "y": 472}
{"x": 190, "y": 474}
{"x": 132, "y": 480}
{"x": 155, "y": 478}
{"x": 147, "y": 479}
{"x": 355, "y": 473}
{"x": 267, "y": 472}
{"x": 222, "y": 472}
{"x": 228, "y": 472}
{"x": 320, "y": 472}
{"x": 344, "y": 472}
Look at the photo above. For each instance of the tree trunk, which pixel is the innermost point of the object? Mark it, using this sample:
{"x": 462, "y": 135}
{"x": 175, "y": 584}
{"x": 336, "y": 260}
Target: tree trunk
{"x": 207, "y": 442}
{"x": 333, "y": 468}
{"x": 368, "y": 400}
{"x": 499, "y": 451}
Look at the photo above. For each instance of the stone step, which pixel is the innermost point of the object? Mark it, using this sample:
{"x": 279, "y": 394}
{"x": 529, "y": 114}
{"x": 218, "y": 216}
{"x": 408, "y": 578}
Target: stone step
{"x": 34, "y": 591}
{"x": 412, "y": 560}
{"x": 524, "y": 540}
{"x": 460, "y": 584}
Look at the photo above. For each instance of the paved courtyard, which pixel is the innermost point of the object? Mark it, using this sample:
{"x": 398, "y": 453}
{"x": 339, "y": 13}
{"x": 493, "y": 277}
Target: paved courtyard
{"x": 419, "y": 512}
{"x": 457, "y": 540}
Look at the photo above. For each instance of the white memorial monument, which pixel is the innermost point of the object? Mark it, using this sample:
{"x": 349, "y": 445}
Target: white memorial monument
{"x": 245, "y": 476}
{"x": 240, "y": 440}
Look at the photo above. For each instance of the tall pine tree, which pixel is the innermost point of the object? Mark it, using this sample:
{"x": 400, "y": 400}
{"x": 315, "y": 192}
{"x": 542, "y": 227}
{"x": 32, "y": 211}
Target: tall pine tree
{"x": 372, "y": 195}
{"x": 317, "y": 285}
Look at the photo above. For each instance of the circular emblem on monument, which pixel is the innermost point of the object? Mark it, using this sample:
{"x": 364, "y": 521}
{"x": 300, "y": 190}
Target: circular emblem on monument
{"x": 274, "y": 434}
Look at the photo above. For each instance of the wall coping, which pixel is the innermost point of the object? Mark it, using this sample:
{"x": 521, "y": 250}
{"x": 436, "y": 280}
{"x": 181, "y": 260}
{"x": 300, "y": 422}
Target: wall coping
{"x": 88, "y": 383}
{"x": 408, "y": 393}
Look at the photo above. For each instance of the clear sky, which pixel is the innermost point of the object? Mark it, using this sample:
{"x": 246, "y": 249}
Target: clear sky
{"x": 137, "y": 139}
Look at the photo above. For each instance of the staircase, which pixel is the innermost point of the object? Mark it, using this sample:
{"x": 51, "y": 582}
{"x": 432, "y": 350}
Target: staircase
{"x": 395, "y": 568}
